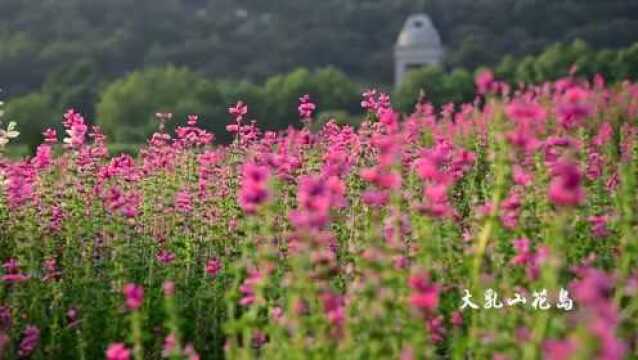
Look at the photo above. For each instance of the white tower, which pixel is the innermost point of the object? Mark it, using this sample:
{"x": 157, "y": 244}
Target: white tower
{"x": 418, "y": 44}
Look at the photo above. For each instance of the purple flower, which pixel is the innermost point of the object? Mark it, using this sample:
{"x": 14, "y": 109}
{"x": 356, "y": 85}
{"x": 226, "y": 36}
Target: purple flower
{"x": 599, "y": 225}
{"x": 5, "y": 318}
{"x": 30, "y": 340}
{"x": 165, "y": 257}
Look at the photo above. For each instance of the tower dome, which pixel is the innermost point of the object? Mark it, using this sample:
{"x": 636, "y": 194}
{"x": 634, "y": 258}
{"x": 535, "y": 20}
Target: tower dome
{"x": 418, "y": 44}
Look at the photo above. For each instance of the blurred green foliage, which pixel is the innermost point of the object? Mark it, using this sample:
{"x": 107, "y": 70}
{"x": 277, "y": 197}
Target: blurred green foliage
{"x": 441, "y": 87}
{"x": 126, "y": 106}
{"x": 32, "y": 113}
{"x": 253, "y": 40}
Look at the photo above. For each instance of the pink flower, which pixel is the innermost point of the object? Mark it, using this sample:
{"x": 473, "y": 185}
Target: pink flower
{"x": 526, "y": 112}
{"x": 126, "y": 204}
{"x": 384, "y": 102}
{"x": 57, "y": 216}
{"x": 14, "y": 278}
{"x": 456, "y": 319}
{"x": 369, "y": 101}
{"x": 190, "y": 353}
{"x": 50, "y": 136}
{"x": 523, "y": 253}
{"x": 484, "y": 81}
{"x": 334, "y": 308}
{"x": 254, "y": 187}
{"x": 573, "y": 107}
{"x": 316, "y": 196}
{"x": 605, "y": 133}
{"x": 163, "y": 118}
{"x": 306, "y": 107}
{"x": 389, "y": 118}
{"x": 428, "y": 170}
{"x": 238, "y": 111}
{"x": 594, "y": 294}
{"x": 524, "y": 139}
{"x": 6, "y": 319}
{"x": 51, "y": 270}
{"x": 72, "y": 317}
{"x": 12, "y": 272}
{"x": 593, "y": 288}
{"x": 599, "y": 226}
{"x": 510, "y": 207}
{"x": 76, "y": 129}
{"x": 528, "y": 258}
{"x": 276, "y": 313}
{"x": 183, "y": 202}
{"x": 247, "y": 288}
{"x": 395, "y": 228}
{"x": 436, "y": 328}
{"x": 375, "y": 198}
{"x": 170, "y": 346}
{"x": 384, "y": 179}
{"x": 168, "y": 287}
{"x": 192, "y": 135}
{"x": 117, "y": 351}
{"x": 559, "y": 350}
{"x": 19, "y": 184}
{"x": 213, "y": 266}
{"x": 555, "y": 146}
{"x": 375, "y": 102}
{"x": 565, "y": 188}
{"x": 521, "y": 177}
{"x": 11, "y": 266}
{"x": 232, "y": 128}
{"x": 436, "y": 202}
{"x": 595, "y": 165}
{"x": 165, "y": 257}
{"x": 134, "y": 295}
{"x": 43, "y": 157}
{"x": 258, "y": 339}
{"x": 407, "y": 353}
{"x": 425, "y": 294}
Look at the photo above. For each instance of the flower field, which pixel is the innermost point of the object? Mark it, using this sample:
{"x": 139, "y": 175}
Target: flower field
{"x": 501, "y": 229}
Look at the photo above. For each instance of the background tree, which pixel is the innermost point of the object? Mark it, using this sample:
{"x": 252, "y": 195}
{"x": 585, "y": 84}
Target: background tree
{"x": 254, "y": 40}
{"x": 127, "y": 107}
{"x": 32, "y": 113}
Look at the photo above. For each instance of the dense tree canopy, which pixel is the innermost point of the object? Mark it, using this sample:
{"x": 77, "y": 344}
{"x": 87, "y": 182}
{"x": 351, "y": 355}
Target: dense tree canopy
{"x": 127, "y": 107}
{"x": 254, "y": 39}
{"x": 128, "y": 59}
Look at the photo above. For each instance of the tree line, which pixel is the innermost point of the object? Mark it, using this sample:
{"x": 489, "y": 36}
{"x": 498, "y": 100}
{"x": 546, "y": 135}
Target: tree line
{"x": 83, "y": 45}
{"x": 125, "y": 107}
